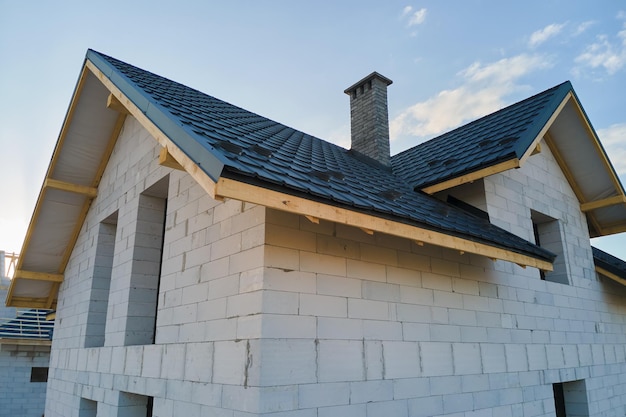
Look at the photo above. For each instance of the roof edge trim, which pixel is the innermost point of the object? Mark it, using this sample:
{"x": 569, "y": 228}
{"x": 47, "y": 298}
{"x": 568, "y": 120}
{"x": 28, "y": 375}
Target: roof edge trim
{"x": 127, "y": 93}
{"x": 473, "y": 176}
{"x": 193, "y": 168}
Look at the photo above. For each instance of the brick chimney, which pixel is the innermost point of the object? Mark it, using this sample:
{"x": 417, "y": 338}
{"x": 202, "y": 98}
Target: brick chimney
{"x": 369, "y": 117}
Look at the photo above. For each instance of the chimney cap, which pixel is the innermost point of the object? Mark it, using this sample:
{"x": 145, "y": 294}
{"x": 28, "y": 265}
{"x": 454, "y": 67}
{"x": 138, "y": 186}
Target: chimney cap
{"x": 370, "y": 77}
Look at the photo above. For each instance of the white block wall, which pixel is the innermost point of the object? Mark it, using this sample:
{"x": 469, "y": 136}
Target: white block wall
{"x": 19, "y": 396}
{"x": 264, "y": 313}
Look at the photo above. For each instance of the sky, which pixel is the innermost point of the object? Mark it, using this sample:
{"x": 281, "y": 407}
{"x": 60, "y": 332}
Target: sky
{"x": 450, "y": 61}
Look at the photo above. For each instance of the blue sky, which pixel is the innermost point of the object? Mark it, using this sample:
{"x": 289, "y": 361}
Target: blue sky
{"x": 451, "y": 62}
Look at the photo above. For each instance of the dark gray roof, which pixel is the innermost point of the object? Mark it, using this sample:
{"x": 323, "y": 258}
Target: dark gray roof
{"x": 30, "y": 324}
{"x": 609, "y": 262}
{"x": 227, "y": 141}
{"x": 495, "y": 138}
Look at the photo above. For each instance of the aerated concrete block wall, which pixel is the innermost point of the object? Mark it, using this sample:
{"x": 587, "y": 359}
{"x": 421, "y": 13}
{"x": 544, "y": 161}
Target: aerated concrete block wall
{"x": 18, "y": 395}
{"x": 263, "y": 313}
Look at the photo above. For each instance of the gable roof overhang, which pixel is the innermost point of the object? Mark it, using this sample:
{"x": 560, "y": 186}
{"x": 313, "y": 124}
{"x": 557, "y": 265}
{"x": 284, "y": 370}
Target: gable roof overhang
{"x": 568, "y": 133}
{"x": 609, "y": 266}
{"x": 100, "y": 104}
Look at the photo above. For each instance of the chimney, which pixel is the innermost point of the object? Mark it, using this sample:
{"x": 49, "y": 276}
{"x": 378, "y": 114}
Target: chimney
{"x": 369, "y": 118}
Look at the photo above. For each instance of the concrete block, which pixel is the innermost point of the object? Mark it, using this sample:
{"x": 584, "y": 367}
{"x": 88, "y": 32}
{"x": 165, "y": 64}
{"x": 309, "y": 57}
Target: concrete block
{"x": 323, "y": 306}
{"x": 340, "y": 360}
{"x": 396, "y": 408}
{"x": 366, "y": 270}
{"x": 230, "y": 359}
{"x": 401, "y": 360}
{"x": 339, "y": 328}
{"x": 368, "y": 309}
{"x": 199, "y": 362}
{"x": 436, "y": 358}
{"x": 426, "y": 406}
{"x": 493, "y": 357}
{"x": 323, "y": 395}
{"x": 467, "y": 358}
{"x": 371, "y": 391}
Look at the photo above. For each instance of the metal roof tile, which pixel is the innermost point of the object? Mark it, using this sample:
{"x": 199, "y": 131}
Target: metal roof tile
{"x": 233, "y": 140}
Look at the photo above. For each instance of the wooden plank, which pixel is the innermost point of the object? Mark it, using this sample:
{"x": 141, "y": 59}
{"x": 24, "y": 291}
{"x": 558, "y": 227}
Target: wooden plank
{"x": 610, "y": 275}
{"x": 38, "y": 276}
{"x": 610, "y": 201}
{"x": 312, "y": 219}
{"x": 90, "y": 192}
{"x": 27, "y": 302}
{"x": 473, "y": 176}
{"x": 167, "y": 160}
{"x": 114, "y": 104}
{"x": 228, "y": 188}
{"x": 25, "y": 342}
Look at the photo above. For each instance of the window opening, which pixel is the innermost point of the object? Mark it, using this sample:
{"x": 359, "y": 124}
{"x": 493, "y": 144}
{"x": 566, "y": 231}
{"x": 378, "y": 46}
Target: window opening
{"x": 39, "y": 374}
{"x": 101, "y": 282}
{"x": 548, "y": 234}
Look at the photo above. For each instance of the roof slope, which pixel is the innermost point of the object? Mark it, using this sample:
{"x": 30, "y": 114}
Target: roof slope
{"x": 232, "y": 153}
{"x": 492, "y": 139}
{"x": 254, "y": 149}
{"x": 30, "y": 324}
{"x": 609, "y": 265}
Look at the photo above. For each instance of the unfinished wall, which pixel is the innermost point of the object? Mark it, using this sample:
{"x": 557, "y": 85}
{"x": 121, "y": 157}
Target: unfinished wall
{"x": 19, "y": 396}
{"x": 262, "y": 312}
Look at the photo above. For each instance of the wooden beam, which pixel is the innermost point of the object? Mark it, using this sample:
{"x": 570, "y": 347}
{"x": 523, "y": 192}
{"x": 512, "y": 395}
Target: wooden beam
{"x": 25, "y": 342}
{"x": 72, "y": 188}
{"x": 114, "y": 104}
{"x": 167, "y": 160}
{"x": 312, "y": 219}
{"x": 38, "y": 276}
{"x": 473, "y": 176}
{"x": 52, "y": 295}
{"x": 537, "y": 149}
{"x": 27, "y": 302}
{"x": 605, "y": 202}
{"x": 610, "y": 275}
{"x": 367, "y": 231}
{"x": 273, "y": 199}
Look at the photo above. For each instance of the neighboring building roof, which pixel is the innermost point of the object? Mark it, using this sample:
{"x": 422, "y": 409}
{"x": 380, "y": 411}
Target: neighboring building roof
{"x": 30, "y": 324}
{"x": 609, "y": 265}
{"x": 490, "y": 140}
{"x": 234, "y": 153}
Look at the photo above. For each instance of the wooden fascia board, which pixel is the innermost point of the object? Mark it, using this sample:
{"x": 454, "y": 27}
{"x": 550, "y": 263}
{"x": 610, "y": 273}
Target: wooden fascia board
{"x": 89, "y": 192}
{"x": 610, "y": 275}
{"x": 25, "y": 342}
{"x": 183, "y": 160}
{"x": 611, "y": 230}
{"x": 27, "y": 302}
{"x": 228, "y": 188}
{"x": 605, "y": 202}
{"x": 473, "y": 176}
{"x": 38, "y": 276}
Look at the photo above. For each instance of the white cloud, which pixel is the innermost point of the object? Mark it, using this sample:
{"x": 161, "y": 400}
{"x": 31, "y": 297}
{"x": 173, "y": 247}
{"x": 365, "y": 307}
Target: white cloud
{"x": 542, "y": 35}
{"x": 417, "y": 18}
{"x": 406, "y": 10}
{"x": 613, "y": 139}
{"x": 484, "y": 90}
{"x": 581, "y": 28}
{"x": 604, "y": 53}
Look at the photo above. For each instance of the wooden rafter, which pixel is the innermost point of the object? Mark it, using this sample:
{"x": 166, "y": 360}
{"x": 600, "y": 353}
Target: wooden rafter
{"x": 90, "y": 192}
{"x": 605, "y": 202}
{"x": 38, "y": 276}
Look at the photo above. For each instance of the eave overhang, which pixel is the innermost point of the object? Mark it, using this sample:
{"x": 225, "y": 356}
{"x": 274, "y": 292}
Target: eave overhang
{"x": 100, "y": 104}
{"x": 576, "y": 147}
